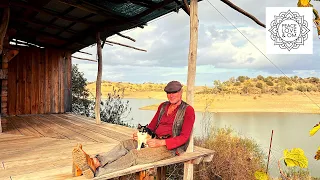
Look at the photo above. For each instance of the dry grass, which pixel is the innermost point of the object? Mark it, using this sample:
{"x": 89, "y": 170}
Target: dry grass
{"x": 235, "y": 157}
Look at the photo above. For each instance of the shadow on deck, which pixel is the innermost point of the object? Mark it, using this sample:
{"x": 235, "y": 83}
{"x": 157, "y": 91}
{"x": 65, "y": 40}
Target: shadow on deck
{"x": 39, "y": 146}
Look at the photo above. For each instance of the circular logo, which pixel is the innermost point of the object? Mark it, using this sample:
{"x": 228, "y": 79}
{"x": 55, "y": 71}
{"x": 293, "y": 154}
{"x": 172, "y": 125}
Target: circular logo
{"x": 289, "y": 30}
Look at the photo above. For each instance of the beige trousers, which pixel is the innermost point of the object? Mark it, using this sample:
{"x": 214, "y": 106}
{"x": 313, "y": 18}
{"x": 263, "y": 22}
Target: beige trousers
{"x": 125, "y": 155}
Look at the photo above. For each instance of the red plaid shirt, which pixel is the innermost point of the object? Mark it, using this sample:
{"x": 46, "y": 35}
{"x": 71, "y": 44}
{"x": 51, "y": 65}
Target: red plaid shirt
{"x": 166, "y": 123}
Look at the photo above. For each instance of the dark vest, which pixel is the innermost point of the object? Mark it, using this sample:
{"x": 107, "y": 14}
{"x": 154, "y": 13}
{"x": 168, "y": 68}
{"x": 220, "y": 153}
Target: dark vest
{"x": 177, "y": 124}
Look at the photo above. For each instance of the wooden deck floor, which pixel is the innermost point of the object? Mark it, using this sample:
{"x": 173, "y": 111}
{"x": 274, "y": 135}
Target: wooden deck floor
{"x": 39, "y": 146}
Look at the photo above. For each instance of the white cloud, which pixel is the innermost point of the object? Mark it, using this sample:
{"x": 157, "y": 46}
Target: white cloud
{"x": 223, "y": 52}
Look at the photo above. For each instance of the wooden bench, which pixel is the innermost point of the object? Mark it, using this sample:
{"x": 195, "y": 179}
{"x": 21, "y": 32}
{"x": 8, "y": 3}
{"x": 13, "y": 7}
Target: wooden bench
{"x": 199, "y": 155}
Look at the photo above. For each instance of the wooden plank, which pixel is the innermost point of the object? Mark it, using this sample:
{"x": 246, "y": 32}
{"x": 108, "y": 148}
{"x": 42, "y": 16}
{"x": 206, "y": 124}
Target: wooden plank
{"x": 56, "y": 82}
{"x": 24, "y": 127}
{"x": 3, "y": 73}
{"x": 34, "y": 80}
{"x": 188, "y": 156}
{"x": 48, "y": 81}
{"x": 19, "y": 83}
{"x": 62, "y": 74}
{"x": 24, "y": 83}
{"x": 111, "y": 133}
{"x": 114, "y": 127}
{"x": 65, "y": 131}
{"x": 42, "y": 82}
{"x": 69, "y": 95}
{"x": 12, "y": 85}
{"x": 79, "y": 129}
{"x": 9, "y": 128}
{"x": 41, "y": 127}
{"x": 28, "y": 73}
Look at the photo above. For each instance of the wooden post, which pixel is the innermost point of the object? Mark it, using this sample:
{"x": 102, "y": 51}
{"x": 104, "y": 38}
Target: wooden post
{"x": 98, "y": 83}
{"x": 188, "y": 166}
{"x": 3, "y": 26}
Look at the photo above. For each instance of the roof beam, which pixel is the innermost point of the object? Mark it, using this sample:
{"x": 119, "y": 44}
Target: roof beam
{"x": 43, "y": 24}
{"x": 46, "y": 11}
{"x": 107, "y": 25}
{"x": 86, "y": 6}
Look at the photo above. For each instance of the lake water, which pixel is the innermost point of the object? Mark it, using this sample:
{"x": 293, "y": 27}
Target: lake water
{"x": 291, "y": 130}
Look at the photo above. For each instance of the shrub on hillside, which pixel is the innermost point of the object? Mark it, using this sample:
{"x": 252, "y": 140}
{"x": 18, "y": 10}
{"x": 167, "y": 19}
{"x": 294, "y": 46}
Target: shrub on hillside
{"x": 290, "y": 88}
{"x": 237, "y": 84}
{"x": 259, "y": 85}
{"x": 269, "y": 83}
{"x": 301, "y": 88}
{"x": 235, "y": 157}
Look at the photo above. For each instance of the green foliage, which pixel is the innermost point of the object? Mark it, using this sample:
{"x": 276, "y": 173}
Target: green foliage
{"x": 301, "y": 88}
{"x": 236, "y": 157}
{"x": 269, "y": 83}
{"x": 260, "y": 175}
{"x": 259, "y": 77}
{"x": 112, "y": 110}
{"x": 259, "y": 85}
{"x": 242, "y": 78}
{"x": 295, "y": 157}
{"x": 80, "y": 102}
{"x": 290, "y": 88}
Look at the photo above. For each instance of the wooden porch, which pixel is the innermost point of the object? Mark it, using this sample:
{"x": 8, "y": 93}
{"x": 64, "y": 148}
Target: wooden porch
{"x": 39, "y": 146}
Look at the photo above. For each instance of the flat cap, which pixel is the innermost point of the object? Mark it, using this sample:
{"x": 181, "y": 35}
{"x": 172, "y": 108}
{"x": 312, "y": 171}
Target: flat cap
{"x": 173, "y": 86}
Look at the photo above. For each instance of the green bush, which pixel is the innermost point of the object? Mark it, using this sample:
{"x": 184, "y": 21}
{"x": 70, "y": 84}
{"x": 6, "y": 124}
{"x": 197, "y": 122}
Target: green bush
{"x": 259, "y": 85}
{"x": 235, "y": 157}
{"x": 301, "y": 88}
{"x": 269, "y": 83}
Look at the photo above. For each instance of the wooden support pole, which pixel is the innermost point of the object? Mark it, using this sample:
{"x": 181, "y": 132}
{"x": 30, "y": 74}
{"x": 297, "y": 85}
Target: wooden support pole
{"x": 86, "y": 59}
{"x": 127, "y": 37}
{"x": 98, "y": 83}
{"x": 112, "y": 42}
{"x": 3, "y": 26}
{"x": 192, "y": 61}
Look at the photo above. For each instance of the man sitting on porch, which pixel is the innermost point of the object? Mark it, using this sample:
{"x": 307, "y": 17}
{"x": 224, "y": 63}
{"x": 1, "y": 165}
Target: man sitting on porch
{"x": 174, "y": 117}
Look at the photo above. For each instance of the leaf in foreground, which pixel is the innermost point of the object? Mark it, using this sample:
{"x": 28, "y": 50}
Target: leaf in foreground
{"x": 317, "y": 156}
{"x": 259, "y": 175}
{"x": 295, "y": 157}
{"x": 314, "y": 129}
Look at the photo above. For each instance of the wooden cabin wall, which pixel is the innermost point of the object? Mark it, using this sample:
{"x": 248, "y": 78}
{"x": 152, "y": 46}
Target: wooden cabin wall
{"x": 39, "y": 82}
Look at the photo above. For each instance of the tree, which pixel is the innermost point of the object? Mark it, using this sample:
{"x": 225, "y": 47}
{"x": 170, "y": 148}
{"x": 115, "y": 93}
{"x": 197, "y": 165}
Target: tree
{"x": 80, "y": 95}
{"x": 112, "y": 110}
{"x": 259, "y": 77}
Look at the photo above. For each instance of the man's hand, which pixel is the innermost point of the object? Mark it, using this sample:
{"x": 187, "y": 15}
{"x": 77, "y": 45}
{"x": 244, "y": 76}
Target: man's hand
{"x": 156, "y": 143}
{"x": 135, "y": 136}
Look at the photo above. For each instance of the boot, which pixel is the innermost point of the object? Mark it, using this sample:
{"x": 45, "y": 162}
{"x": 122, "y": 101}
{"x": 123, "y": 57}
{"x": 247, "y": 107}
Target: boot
{"x": 76, "y": 171}
{"x": 83, "y": 161}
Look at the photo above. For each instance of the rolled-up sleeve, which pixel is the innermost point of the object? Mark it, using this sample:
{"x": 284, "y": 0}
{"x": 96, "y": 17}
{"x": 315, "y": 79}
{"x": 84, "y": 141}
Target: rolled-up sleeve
{"x": 187, "y": 126}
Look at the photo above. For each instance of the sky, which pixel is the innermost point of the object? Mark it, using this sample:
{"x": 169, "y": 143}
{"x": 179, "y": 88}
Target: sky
{"x": 223, "y": 52}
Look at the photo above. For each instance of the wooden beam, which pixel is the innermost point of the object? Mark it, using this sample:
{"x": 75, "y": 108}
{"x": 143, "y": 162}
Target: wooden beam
{"x": 208, "y": 158}
{"x": 233, "y": 6}
{"x": 3, "y": 74}
{"x": 109, "y": 25}
{"x": 84, "y": 52}
{"x": 9, "y": 55}
{"x": 86, "y": 59}
{"x": 98, "y": 82}
{"x": 112, "y": 42}
{"x": 92, "y": 8}
{"x": 186, "y": 5}
{"x": 3, "y": 26}
{"x": 192, "y": 62}
{"x": 48, "y": 25}
{"x": 46, "y": 11}
{"x": 180, "y": 3}
{"x": 127, "y": 37}
{"x": 197, "y": 161}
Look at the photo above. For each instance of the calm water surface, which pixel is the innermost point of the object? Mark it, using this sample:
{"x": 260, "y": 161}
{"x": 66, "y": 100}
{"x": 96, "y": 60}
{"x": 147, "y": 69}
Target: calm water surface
{"x": 291, "y": 130}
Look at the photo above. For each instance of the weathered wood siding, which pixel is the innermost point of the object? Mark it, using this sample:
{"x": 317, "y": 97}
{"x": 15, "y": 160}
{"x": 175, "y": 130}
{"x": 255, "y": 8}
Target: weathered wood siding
{"x": 39, "y": 81}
